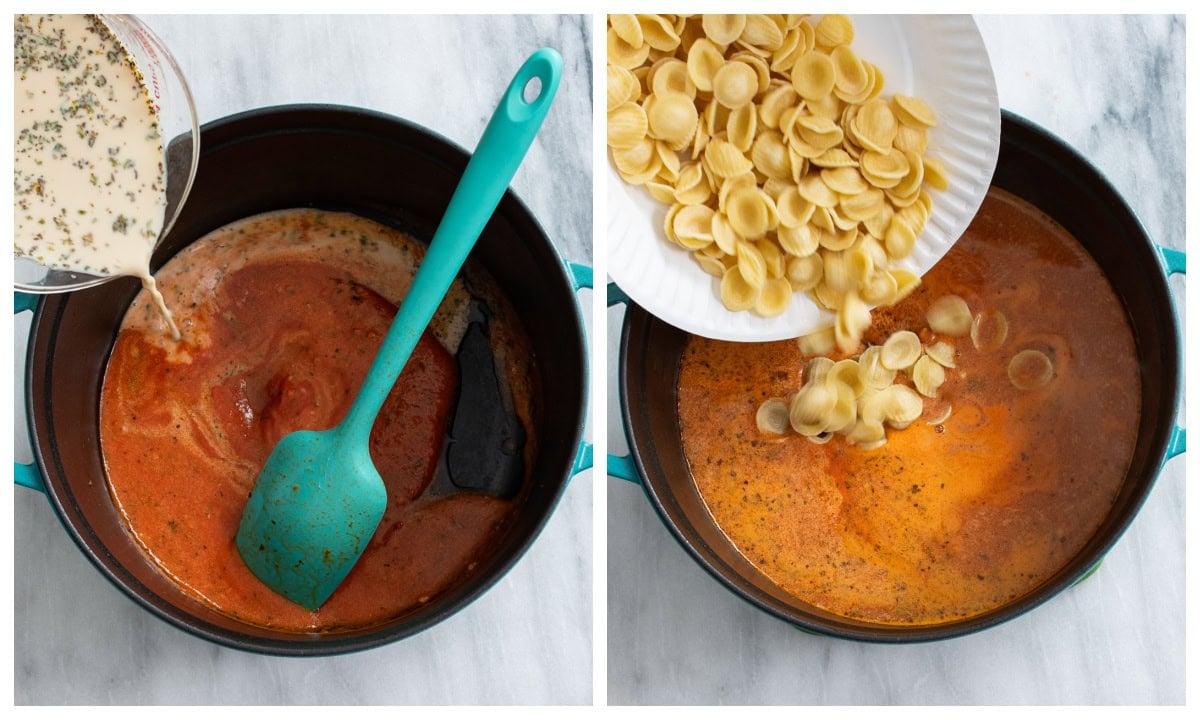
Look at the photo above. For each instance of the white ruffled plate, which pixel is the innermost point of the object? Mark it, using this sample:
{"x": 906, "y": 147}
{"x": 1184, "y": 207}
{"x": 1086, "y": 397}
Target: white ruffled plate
{"x": 938, "y": 58}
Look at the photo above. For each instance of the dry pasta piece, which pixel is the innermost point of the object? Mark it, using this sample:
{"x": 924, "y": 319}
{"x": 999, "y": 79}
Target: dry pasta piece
{"x": 942, "y": 353}
{"x": 864, "y": 205}
{"x": 761, "y": 69}
{"x": 746, "y": 180}
{"x": 935, "y": 173}
{"x": 899, "y": 239}
{"x": 874, "y": 126}
{"x": 623, "y": 54}
{"x": 867, "y": 435}
{"x": 750, "y": 212}
{"x": 623, "y": 87}
{"x": 833, "y": 30}
{"x": 813, "y": 76}
{"x": 723, "y": 29}
{"x": 783, "y": 58}
{"x": 724, "y": 235}
{"x": 853, "y": 318}
{"x": 877, "y": 226}
{"x": 810, "y": 408}
{"x": 773, "y": 258}
{"x": 671, "y": 117}
{"x": 928, "y": 376}
{"x": 770, "y": 156}
{"x": 670, "y": 162}
{"x": 913, "y": 111}
{"x": 751, "y": 265}
{"x": 742, "y": 127}
{"x": 671, "y": 75}
{"x": 661, "y": 192}
{"x": 627, "y": 125}
{"x": 691, "y": 188}
{"x": 845, "y": 410}
{"x": 833, "y": 158}
{"x": 906, "y": 282}
{"x": 900, "y": 350}
{"x": 1030, "y": 370}
{"x": 818, "y": 132}
{"x": 910, "y": 139}
{"x": 847, "y": 372}
{"x": 798, "y": 241}
{"x": 910, "y": 184}
{"x": 880, "y": 288}
{"x": 884, "y": 170}
{"x": 813, "y": 189}
{"x": 638, "y": 160}
{"x": 658, "y": 32}
{"x": 989, "y": 330}
{"x": 837, "y": 239}
{"x": 794, "y": 211}
{"x": 627, "y": 28}
{"x": 761, "y": 32}
{"x": 774, "y": 102}
{"x": 735, "y": 84}
{"x": 871, "y": 370}
{"x": 774, "y": 298}
{"x": 709, "y": 264}
{"x": 949, "y": 315}
{"x": 693, "y": 226}
{"x": 725, "y": 160}
{"x": 902, "y": 405}
{"x": 736, "y": 293}
{"x": 704, "y": 59}
{"x": 838, "y": 274}
{"x": 819, "y": 343}
{"x": 850, "y": 75}
{"x": 844, "y": 180}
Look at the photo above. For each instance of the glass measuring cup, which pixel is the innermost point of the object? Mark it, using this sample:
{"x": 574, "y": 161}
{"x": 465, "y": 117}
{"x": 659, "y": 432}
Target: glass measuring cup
{"x": 180, "y": 130}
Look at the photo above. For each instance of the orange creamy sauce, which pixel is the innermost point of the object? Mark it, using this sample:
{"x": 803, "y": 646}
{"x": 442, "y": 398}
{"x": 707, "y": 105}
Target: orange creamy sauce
{"x": 280, "y": 342}
{"x": 944, "y": 521}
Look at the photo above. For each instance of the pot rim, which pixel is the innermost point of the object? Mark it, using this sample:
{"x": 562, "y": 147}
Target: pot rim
{"x": 902, "y": 634}
{"x": 47, "y": 317}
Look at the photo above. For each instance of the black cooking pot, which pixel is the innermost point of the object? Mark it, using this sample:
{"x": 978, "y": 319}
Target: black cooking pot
{"x": 332, "y": 158}
{"x": 1046, "y": 172}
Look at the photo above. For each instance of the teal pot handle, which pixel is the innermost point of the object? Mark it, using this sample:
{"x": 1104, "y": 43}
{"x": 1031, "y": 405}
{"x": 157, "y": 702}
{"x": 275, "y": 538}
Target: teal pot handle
{"x": 621, "y": 466}
{"x": 1175, "y": 262}
{"x": 581, "y": 277}
{"x": 27, "y": 475}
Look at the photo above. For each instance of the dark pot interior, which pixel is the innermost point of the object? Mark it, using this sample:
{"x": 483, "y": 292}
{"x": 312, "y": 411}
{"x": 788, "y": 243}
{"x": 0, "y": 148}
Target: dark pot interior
{"x": 1043, "y": 170}
{"x": 303, "y": 156}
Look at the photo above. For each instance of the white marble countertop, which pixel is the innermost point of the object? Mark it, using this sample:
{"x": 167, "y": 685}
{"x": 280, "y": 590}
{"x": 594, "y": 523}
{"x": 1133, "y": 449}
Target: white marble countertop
{"x": 1113, "y": 87}
{"x": 528, "y": 640}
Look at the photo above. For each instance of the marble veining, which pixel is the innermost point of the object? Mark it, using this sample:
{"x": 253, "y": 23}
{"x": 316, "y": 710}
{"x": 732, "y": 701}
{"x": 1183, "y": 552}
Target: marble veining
{"x": 528, "y": 640}
{"x": 1113, "y": 87}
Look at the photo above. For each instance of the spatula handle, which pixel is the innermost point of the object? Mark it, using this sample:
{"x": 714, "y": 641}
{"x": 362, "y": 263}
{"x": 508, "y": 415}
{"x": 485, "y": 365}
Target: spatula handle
{"x": 503, "y": 145}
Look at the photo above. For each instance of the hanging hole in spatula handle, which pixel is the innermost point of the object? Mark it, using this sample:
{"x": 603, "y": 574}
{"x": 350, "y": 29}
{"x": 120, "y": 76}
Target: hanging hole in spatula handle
{"x": 484, "y": 181}
{"x": 512, "y": 129}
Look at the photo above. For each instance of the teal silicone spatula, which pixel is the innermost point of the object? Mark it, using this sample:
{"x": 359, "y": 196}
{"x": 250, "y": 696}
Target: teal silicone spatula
{"x": 319, "y": 497}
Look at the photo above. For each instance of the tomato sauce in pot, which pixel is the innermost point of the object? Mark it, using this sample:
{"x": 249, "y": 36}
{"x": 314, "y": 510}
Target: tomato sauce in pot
{"x": 951, "y": 517}
{"x": 282, "y": 315}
